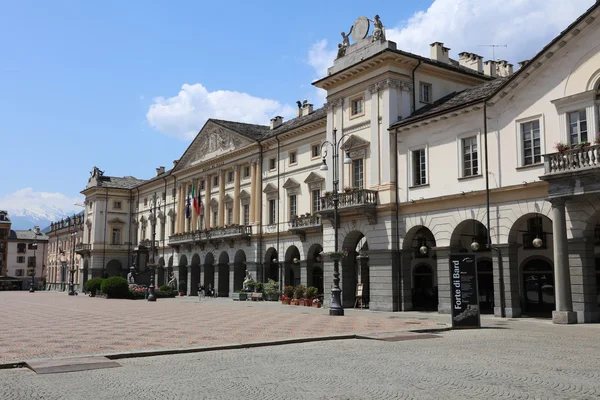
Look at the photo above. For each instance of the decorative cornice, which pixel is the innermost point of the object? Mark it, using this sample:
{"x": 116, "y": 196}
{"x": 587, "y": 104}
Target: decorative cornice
{"x": 390, "y": 83}
{"x": 334, "y": 103}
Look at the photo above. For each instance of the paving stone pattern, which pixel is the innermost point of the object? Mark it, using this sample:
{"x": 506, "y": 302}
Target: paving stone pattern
{"x": 525, "y": 361}
{"x": 50, "y": 324}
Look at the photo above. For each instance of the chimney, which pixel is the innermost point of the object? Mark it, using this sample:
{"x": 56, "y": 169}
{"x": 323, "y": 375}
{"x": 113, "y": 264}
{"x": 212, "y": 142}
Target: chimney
{"x": 160, "y": 170}
{"x": 523, "y": 63}
{"x": 471, "y": 61}
{"x": 489, "y": 68}
{"x": 504, "y": 68}
{"x": 276, "y": 122}
{"x": 307, "y": 109}
{"x": 36, "y": 230}
{"x": 439, "y": 53}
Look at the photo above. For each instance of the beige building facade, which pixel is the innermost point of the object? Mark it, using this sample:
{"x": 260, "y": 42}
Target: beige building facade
{"x": 438, "y": 156}
{"x": 64, "y": 236}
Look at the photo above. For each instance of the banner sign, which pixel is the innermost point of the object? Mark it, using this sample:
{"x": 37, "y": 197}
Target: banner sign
{"x": 463, "y": 290}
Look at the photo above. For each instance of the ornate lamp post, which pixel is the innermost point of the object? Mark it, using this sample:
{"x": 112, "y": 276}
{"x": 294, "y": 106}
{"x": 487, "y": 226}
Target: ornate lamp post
{"x": 72, "y": 269}
{"x": 32, "y": 270}
{"x": 154, "y": 205}
{"x": 336, "y": 302}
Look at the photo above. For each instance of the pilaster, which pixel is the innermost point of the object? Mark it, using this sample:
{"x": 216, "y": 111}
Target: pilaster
{"x": 194, "y": 214}
{"x": 236, "y": 195}
{"x": 506, "y": 281}
{"x": 582, "y": 266}
{"x": 222, "y": 198}
{"x": 207, "y": 185}
{"x": 375, "y": 139}
{"x": 383, "y": 281}
{"x": 253, "y": 193}
{"x": 406, "y": 280}
{"x": 443, "y": 275}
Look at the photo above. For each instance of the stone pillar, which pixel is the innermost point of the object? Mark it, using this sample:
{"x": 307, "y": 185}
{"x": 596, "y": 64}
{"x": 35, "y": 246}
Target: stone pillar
{"x": 328, "y": 281}
{"x": 506, "y": 281}
{"x": 582, "y": 265}
{"x": 201, "y": 274}
{"x": 231, "y": 279}
{"x": 253, "y": 193}
{"x": 390, "y": 116}
{"x": 257, "y": 193}
{"x": 375, "y": 140}
{"x": 222, "y": 198}
{"x": 383, "y": 281}
{"x": 216, "y": 278}
{"x": 443, "y": 278}
{"x": 207, "y": 184}
{"x": 236, "y": 194}
{"x": 406, "y": 280}
{"x": 179, "y": 213}
{"x": 303, "y": 272}
{"x": 189, "y": 280}
{"x": 194, "y": 214}
{"x": 564, "y": 304}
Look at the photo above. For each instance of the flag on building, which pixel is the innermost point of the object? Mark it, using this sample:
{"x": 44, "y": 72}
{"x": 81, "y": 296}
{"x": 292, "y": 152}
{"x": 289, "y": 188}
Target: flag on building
{"x": 188, "y": 213}
{"x": 199, "y": 201}
{"x": 195, "y": 205}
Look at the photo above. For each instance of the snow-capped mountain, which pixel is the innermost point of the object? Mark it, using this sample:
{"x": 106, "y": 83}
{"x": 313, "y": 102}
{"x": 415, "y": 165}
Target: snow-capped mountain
{"x": 41, "y": 216}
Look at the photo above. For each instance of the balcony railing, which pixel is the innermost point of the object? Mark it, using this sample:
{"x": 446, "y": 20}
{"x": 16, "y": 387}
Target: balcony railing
{"x": 147, "y": 243}
{"x": 229, "y": 231}
{"x": 572, "y": 160}
{"x": 305, "y": 221}
{"x": 360, "y": 197}
{"x": 183, "y": 238}
{"x": 82, "y": 247}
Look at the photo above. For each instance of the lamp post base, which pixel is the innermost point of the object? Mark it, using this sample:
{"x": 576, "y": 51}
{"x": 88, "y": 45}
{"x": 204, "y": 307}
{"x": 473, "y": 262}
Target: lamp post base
{"x": 336, "y": 311}
{"x": 71, "y": 290}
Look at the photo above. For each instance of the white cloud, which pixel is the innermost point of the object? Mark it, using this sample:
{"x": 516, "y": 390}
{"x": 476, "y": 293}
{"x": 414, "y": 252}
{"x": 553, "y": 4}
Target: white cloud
{"x": 43, "y": 204}
{"x": 526, "y": 26}
{"x": 320, "y": 58}
{"x": 183, "y": 115}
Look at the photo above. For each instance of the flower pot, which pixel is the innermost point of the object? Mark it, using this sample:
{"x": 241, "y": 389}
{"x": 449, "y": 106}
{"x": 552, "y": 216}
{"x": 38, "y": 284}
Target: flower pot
{"x": 286, "y": 301}
{"x": 316, "y": 305}
{"x": 308, "y": 302}
{"x": 181, "y": 294}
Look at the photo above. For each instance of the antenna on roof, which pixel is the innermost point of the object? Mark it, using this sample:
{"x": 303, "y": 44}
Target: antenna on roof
{"x": 493, "y": 46}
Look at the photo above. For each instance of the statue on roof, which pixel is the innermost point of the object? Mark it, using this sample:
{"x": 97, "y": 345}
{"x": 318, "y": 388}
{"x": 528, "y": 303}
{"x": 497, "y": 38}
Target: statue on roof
{"x": 378, "y": 29}
{"x": 346, "y": 37}
{"x": 341, "y": 50}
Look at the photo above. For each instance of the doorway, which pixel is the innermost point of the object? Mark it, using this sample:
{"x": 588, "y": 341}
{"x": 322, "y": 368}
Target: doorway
{"x": 424, "y": 296}
{"x": 485, "y": 286}
{"x": 538, "y": 285}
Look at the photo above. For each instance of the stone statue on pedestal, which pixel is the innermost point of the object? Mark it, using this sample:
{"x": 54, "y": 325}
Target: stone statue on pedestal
{"x": 172, "y": 281}
{"x": 246, "y": 280}
{"x": 378, "y": 29}
{"x": 131, "y": 276}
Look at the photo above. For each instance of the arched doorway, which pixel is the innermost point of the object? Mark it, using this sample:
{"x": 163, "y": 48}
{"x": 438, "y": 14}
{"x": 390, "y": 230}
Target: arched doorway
{"x": 355, "y": 268}
{"x": 538, "y": 287}
{"x": 314, "y": 266}
{"x": 485, "y": 285}
{"x": 182, "y": 279}
{"x": 292, "y": 266}
{"x": 272, "y": 265}
{"x": 423, "y": 293}
{"x": 195, "y": 275}
{"x": 239, "y": 270}
{"x": 209, "y": 271}
{"x": 113, "y": 268}
{"x": 223, "y": 275}
{"x": 160, "y": 273}
{"x": 469, "y": 236}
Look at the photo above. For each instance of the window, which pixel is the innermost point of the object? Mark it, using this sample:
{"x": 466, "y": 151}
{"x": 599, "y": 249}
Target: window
{"x": 90, "y": 205}
{"x": 247, "y": 171}
{"x": 215, "y": 218}
{"x": 315, "y": 150}
{"x": 172, "y": 227}
{"x": 116, "y": 236}
{"x": 229, "y": 216}
{"x": 21, "y": 248}
{"x": 293, "y": 205}
{"x": 357, "y": 173}
{"x": 272, "y": 212}
{"x": 357, "y": 106}
{"x": 145, "y": 201}
{"x": 19, "y": 272}
{"x": 20, "y": 259}
{"x": 162, "y": 228}
{"x": 229, "y": 176}
{"x": 577, "y": 127}
{"x": 216, "y": 181}
{"x": 530, "y": 135}
{"x": 31, "y": 246}
{"x": 164, "y": 196}
{"x": 272, "y": 163}
{"x": 3, "y": 233}
{"x": 419, "y": 167}
{"x": 117, "y": 205}
{"x": 246, "y": 214}
{"x": 470, "y": 157}
{"x": 30, "y": 262}
{"x": 293, "y": 157}
{"x": 424, "y": 92}
{"x": 316, "y": 203}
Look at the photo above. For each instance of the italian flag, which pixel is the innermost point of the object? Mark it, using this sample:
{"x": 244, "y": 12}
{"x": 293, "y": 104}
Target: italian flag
{"x": 195, "y": 205}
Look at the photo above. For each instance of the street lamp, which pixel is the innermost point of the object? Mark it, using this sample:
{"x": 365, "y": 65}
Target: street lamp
{"x": 72, "y": 269}
{"x": 336, "y": 301}
{"x": 32, "y": 271}
{"x": 154, "y": 205}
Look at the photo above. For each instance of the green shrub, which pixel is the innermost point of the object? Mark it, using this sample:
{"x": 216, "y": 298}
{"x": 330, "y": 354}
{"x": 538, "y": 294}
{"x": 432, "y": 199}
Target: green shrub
{"x": 251, "y": 284}
{"x": 161, "y": 294}
{"x": 259, "y": 287}
{"x": 272, "y": 288}
{"x": 115, "y": 287}
{"x": 165, "y": 288}
{"x": 311, "y": 292}
{"x": 93, "y": 285}
{"x": 288, "y": 291}
{"x": 299, "y": 292}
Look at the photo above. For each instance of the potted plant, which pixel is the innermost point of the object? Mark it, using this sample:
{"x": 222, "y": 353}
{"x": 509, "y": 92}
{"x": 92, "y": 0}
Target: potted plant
{"x": 597, "y": 139}
{"x": 311, "y": 293}
{"x": 285, "y": 300}
{"x": 337, "y": 255}
{"x": 251, "y": 285}
{"x": 182, "y": 288}
{"x": 561, "y": 146}
{"x": 316, "y": 303}
{"x": 299, "y": 294}
{"x": 239, "y": 295}
{"x": 272, "y": 290}
{"x": 259, "y": 287}
{"x": 347, "y": 189}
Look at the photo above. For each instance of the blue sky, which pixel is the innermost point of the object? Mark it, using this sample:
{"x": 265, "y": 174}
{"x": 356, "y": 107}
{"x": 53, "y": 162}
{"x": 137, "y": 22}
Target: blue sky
{"x": 102, "y": 83}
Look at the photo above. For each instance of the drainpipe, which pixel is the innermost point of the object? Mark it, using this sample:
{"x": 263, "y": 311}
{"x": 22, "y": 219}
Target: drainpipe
{"x": 487, "y": 208}
{"x": 278, "y": 202}
{"x": 397, "y": 241}
{"x": 414, "y": 91}
{"x": 105, "y": 220}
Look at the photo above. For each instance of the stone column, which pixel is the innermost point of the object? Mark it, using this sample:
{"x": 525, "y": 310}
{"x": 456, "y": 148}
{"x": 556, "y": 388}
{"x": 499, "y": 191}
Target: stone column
{"x": 178, "y": 217}
{"x": 374, "y": 94}
{"x": 231, "y": 279}
{"x": 406, "y": 280}
{"x": 582, "y": 265}
{"x": 390, "y": 116}
{"x": 189, "y": 280}
{"x": 222, "y": 198}
{"x": 194, "y": 215}
{"x": 257, "y": 193}
{"x": 328, "y": 281}
{"x": 303, "y": 273}
{"x": 252, "y": 193}
{"x": 564, "y": 303}
{"x": 216, "y": 279}
{"x": 236, "y": 194}
{"x": 443, "y": 279}
{"x": 506, "y": 281}
{"x": 207, "y": 184}
{"x": 383, "y": 281}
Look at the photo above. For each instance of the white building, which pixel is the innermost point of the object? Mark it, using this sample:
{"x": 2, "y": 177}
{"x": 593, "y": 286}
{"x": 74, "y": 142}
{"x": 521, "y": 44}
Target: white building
{"x": 27, "y": 254}
{"x": 440, "y": 151}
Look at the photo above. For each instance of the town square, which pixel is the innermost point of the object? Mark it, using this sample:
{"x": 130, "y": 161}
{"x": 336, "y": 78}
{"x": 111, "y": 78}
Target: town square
{"x": 418, "y": 216}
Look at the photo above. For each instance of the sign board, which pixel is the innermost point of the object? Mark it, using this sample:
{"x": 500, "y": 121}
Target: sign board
{"x": 463, "y": 291}
{"x": 359, "y": 290}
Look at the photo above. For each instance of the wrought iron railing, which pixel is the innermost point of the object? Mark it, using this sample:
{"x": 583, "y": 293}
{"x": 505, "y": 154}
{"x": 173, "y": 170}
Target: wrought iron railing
{"x": 306, "y": 221}
{"x": 229, "y": 231}
{"x": 572, "y": 160}
{"x": 83, "y": 247}
{"x": 356, "y": 197}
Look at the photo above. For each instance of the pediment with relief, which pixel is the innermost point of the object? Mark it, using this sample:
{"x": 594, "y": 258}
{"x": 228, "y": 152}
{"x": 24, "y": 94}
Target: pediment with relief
{"x": 355, "y": 143}
{"x": 212, "y": 141}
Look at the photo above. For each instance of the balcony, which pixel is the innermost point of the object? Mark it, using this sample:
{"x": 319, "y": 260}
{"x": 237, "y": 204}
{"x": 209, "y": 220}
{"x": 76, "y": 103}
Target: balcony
{"x": 82, "y": 248}
{"x": 214, "y": 236}
{"x": 189, "y": 238}
{"x": 572, "y": 172}
{"x": 147, "y": 244}
{"x": 305, "y": 223}
{"x": 361, "y": 201}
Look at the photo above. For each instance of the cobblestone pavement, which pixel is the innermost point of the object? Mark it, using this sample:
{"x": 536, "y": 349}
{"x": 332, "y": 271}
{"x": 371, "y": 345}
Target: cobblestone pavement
{"x": 521, "y": 360}
{"x": 52, "y": 324}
